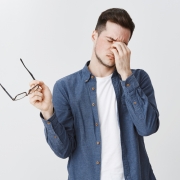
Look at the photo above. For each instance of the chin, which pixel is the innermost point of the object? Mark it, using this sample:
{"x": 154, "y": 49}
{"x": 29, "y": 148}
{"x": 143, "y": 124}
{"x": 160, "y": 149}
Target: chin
{"x": 109, "y": 63}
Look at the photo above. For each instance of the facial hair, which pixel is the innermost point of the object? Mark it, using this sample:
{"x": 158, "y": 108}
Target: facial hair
{"x": 101, "y": 61}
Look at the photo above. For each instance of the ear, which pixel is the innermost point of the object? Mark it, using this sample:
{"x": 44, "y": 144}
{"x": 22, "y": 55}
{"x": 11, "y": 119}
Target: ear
{"x": 94, "y": 36}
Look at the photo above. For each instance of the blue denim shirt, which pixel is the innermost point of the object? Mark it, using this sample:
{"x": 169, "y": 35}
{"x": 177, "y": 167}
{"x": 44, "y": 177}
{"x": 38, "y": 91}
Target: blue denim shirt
{"x": 73, "y": 131}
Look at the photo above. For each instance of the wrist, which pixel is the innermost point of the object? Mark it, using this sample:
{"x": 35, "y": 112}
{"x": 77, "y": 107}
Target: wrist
{"x": 126, "y": 75}
{"x": 48, "y": 113}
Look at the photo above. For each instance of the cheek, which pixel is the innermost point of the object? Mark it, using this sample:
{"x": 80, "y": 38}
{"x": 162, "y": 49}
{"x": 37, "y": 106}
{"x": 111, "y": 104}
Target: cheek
{"x": 102, "y": 46}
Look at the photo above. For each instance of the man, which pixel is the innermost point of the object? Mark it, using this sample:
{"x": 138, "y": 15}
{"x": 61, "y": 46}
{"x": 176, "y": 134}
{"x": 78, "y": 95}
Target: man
{"x": 98, "y": 116}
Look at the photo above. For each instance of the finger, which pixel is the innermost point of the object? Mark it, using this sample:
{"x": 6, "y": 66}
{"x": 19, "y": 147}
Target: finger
{"x": 36, "y": 93}
{"x": 35, "y": 82}
{"x": 35, "y": 88}
{"x": 36, "y": 96}
{"x": 39, "y": 89}
{"x": 35, "y": 99}
{"x": 125, "y": 49}
{"x": 115, "y": 52}
{"x": 128, "y": 50}
{"x": 120, "y": 48}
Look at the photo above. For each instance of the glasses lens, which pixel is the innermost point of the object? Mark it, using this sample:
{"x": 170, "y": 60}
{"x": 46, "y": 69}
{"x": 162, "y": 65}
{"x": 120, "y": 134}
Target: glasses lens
{"x": 20, "y": 96}
{"x": 33, "y": 89}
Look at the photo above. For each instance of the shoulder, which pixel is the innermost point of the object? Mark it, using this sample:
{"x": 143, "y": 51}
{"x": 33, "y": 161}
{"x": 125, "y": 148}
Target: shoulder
{"x": 69, "y": 81}
{"x": 140, "y": 74}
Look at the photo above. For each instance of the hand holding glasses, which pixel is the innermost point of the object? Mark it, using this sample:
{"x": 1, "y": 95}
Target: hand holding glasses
{"x": 23, "y": 94}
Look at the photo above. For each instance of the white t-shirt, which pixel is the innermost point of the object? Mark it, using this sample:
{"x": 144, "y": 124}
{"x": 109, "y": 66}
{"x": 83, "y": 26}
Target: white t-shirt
{"x": 111, "y": 154}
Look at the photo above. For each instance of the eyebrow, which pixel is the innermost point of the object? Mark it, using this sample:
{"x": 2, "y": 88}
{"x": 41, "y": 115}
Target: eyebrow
{"x": 115, "y": 39}
{"x": 111, "y": 38}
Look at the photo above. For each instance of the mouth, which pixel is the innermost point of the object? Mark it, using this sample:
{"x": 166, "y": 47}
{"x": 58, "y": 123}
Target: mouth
{"x": 110, "y": 56}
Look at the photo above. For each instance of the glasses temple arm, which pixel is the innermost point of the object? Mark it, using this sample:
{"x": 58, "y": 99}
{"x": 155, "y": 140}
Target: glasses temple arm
{"x": 27, "y": 69}
{"x": 7, "y": 92}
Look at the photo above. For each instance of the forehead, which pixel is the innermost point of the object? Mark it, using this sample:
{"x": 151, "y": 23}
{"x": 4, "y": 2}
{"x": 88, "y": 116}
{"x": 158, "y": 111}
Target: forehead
{"x": 116, "y": 31}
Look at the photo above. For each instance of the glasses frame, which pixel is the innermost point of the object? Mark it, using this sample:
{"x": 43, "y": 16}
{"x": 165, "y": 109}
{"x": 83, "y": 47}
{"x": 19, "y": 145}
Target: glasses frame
{"x": 25, "y": 93}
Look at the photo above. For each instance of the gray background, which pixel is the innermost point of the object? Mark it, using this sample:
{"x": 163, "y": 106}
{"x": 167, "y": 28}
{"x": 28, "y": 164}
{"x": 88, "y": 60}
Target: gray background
{"x": 54, "y": 39}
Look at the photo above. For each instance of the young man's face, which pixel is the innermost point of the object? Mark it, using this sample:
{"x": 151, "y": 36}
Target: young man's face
{"x": 102, "y": 44}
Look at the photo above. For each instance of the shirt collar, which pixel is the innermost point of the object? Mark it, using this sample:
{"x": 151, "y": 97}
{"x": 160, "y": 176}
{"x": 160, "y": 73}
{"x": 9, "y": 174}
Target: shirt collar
{"x": 87, "y": 74}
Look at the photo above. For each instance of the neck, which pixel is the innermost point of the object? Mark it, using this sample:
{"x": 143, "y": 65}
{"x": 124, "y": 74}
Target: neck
{"x": 98, "y": 69}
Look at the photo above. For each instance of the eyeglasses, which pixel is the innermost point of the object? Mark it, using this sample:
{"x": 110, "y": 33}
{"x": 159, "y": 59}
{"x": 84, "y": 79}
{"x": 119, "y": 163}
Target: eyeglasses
{"x": 23, "y": 94}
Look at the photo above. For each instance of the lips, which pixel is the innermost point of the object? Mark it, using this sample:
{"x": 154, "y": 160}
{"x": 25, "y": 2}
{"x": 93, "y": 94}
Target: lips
{"x": 111, "y": 56}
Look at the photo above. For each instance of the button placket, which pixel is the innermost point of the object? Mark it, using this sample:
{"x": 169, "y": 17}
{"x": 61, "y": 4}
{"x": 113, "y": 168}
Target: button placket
{"x": 92, "y": 93}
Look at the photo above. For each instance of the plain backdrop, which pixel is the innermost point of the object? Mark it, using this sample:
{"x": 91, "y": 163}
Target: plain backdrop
{"x": 54, "y": 39}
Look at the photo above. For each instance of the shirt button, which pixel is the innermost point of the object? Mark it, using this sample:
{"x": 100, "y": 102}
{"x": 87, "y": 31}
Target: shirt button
{"x": 93, "y": 104}
{"x": 93, "y": 88}
{"x": 55, "y": 137}
{"x": 97, "y": 162}
{"x": 98, "y": 143}
{"x": 127, "y": 85}
{"x": 86, "y": 80}
{"x": 96, "y": 124}
{"x": 48, "y": 122}
{"x": 92, "y": 77}
{"x": 134, "y": 102}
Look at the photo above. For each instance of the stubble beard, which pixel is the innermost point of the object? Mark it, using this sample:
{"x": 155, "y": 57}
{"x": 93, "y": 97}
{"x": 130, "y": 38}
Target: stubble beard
{"x": 101, "y": 61}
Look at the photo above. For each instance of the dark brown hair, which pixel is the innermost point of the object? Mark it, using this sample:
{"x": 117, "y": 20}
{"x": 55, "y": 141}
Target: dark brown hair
{"x": 115, "y": 15}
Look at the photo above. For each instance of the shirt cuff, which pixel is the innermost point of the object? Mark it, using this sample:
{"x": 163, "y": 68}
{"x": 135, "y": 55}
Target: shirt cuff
{"x": 51, "y": 122}
{"x": 130, "y": 84}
